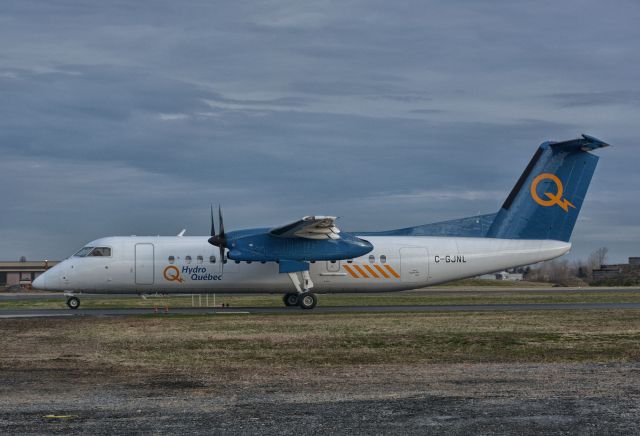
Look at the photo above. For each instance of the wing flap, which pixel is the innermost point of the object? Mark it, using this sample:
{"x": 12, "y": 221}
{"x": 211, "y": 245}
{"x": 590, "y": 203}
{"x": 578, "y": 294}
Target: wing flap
{"x": 309, "y": 227}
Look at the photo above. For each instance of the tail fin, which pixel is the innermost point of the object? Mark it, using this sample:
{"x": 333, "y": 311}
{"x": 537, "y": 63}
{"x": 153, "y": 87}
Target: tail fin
{"x": 546, "y": 200}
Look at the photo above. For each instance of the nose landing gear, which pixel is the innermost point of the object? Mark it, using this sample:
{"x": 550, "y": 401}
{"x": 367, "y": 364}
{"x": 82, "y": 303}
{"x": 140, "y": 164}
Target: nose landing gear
{"x": 73, "y": 302}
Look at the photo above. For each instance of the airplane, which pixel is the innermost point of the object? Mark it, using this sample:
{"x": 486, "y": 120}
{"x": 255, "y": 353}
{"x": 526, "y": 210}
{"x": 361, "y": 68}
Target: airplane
{"x": 312, "y": 255}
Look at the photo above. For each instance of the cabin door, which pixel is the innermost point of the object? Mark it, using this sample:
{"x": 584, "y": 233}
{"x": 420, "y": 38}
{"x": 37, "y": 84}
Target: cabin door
{"x": 414, "y": 265}
{"x": 144, "y": 264}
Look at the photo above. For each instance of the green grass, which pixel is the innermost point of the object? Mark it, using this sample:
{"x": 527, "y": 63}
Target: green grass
{"x": 484, "y": 283}
{"x": 212, "y": 343}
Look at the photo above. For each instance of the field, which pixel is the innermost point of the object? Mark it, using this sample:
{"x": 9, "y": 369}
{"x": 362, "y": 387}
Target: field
{"x": 429, "y": 296}
{"x": 489, "y": 372}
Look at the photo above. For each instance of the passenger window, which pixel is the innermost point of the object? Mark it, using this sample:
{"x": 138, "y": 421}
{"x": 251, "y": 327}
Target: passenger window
{"x": 187, "y": 259}
{"x": 383, "y": 258}
{"x": 200, "y": 259}
{"x": 212, "y": 259}
{"x": 350, "y": 261}
{"x": 372, "y": 258}
{"x": 172, "y": 259}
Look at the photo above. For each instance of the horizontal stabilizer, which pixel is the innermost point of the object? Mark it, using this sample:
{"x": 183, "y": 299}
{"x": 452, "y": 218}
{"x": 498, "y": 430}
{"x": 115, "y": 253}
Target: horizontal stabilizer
{"x": 586, "y": 143}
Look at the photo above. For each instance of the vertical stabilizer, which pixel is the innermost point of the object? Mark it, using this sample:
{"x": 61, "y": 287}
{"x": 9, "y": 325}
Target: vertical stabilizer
{"x": 546, "y": 200}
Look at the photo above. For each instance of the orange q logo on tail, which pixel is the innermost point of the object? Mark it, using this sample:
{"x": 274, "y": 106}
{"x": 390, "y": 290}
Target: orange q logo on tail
{"x": 553, "y": 199}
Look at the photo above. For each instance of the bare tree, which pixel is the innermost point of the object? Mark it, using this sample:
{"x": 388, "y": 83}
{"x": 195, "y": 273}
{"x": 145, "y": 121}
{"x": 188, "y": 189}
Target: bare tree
{"x": 598, "y": 257}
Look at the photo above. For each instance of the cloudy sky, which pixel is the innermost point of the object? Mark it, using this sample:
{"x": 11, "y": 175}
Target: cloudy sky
{"x": 131, "y": 117}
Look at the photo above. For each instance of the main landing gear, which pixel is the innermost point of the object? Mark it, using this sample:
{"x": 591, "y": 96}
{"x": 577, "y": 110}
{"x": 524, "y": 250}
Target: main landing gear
{"x": 306, "y": 300}
{"x": 73, "y": 302}
{"x": 304, "y": 297}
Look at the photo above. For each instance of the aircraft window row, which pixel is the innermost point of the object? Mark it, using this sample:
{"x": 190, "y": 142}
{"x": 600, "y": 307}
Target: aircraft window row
{"x": 372, "y": 259}
{"x": 212, "y": 259}
{"x": 94, "y": 252}
{"x": 199, "y": 259}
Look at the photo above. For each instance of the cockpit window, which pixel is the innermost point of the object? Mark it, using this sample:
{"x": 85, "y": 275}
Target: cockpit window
{"x": 83, "y": 251}
{"x": 100, "y": 251}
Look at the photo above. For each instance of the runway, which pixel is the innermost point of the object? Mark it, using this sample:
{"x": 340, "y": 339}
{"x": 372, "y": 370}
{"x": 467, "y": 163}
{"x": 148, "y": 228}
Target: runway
{"x": 37, "y": 313}
{"x": 435, "y": 291}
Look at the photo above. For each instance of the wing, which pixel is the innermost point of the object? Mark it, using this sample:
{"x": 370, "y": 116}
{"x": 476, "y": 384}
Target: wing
{"x": 309, "y": 227}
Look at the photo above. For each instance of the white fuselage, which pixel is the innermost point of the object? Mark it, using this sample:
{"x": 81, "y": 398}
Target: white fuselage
{"x": 161, "y": 264}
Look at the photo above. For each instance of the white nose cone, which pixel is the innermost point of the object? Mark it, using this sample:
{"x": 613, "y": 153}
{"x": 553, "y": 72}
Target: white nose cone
{"x": 39, "y": 282}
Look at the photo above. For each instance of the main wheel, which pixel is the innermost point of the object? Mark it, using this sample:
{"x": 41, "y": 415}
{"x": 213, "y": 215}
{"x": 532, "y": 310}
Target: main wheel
{"x": 308, "y": 300}
{"x": 73, "y": 302}
{"x": 290, "y": 299}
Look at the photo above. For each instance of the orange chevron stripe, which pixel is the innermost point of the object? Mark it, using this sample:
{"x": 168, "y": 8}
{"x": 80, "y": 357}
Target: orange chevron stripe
{"x": 371, "y": 271}
{"x": 361, "y": 271}
{"x": 392, "y": 271}
{"x": 350, "y": 271}
{"x": 385, "y": 275}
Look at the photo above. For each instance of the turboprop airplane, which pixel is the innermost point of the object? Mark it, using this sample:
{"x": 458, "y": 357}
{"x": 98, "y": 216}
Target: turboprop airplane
{"x": 312, "y": 255}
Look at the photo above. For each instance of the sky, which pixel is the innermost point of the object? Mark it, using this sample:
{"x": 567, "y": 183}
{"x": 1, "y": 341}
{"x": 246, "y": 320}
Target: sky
{"x": 132, "y": 117}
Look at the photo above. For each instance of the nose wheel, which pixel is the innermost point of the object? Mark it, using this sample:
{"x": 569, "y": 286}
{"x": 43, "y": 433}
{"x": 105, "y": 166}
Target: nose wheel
{"x": 73, "y": 302}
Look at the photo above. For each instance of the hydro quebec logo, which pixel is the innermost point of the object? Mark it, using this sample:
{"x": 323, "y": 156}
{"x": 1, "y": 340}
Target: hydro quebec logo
{"x": 196, "y": 273}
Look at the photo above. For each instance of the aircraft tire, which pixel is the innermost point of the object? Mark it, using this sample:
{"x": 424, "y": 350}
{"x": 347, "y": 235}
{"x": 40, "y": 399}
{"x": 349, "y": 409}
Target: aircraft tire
{"x": 290, "y": 299}
{"x": 73, "y": 302}
{"x": 308, "y": 300}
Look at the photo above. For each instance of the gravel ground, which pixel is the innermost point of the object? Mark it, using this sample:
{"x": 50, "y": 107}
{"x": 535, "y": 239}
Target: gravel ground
{"x": 479, "y": 398}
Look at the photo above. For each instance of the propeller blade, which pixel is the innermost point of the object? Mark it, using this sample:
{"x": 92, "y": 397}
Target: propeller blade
{"x": 213, "y": 225}
{"x": 221, "y": 223}
{"x": 223, "y": 239}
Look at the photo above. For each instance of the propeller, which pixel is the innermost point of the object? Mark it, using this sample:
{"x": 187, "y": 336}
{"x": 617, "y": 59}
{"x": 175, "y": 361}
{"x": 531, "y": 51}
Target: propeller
{"x": 219, "y": 240}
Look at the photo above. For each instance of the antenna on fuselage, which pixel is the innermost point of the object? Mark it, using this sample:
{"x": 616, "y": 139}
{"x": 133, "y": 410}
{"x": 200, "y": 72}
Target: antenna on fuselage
{"x": 182, "y": 232}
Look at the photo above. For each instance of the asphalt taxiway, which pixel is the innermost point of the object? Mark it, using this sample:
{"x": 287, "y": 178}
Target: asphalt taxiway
{"x": 36, "y": 313}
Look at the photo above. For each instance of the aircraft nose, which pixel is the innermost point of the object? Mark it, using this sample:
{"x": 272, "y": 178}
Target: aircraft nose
{"x": 39, "y": 282}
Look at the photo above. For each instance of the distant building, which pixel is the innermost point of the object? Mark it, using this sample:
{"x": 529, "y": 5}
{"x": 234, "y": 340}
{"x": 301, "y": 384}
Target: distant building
{"x": 502, "y": 275}
{"x": 621, "y": 271}
{"x": 22, "y": 273}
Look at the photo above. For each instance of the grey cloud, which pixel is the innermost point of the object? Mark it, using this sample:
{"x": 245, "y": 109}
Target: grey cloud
{"x": 571, "y": 99}
{"x": 133, "y": 119}
{"x": 426, "y": 111}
